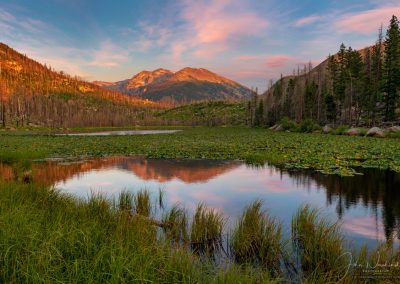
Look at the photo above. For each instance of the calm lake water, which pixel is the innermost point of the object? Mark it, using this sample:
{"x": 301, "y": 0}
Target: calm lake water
{"x": 121, "y": 133}
{"x": 368, "y": 206}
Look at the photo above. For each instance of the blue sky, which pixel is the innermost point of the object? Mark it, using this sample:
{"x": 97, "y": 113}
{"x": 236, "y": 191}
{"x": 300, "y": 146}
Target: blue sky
{"x": 249, "y": 41}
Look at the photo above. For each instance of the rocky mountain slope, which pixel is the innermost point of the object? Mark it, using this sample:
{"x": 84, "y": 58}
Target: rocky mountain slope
{"x": 32, "y": 93}
{"x": 185, "y": 86}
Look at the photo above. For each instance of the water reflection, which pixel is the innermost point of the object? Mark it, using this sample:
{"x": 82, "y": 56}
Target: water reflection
{"x": 121, "y": 133}
{"x": 368, "y": 205}
{"x": 375, "y": 189}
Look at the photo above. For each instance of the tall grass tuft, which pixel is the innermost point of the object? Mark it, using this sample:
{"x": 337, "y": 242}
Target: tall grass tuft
{"x": 206, "y": 230}
{"x": 176, "y": 224}
{"x": 319, "y": 245}
{"x": 125, "y": 201}
{"x": 142, "y": 203}
{"x": 256, "y": 239}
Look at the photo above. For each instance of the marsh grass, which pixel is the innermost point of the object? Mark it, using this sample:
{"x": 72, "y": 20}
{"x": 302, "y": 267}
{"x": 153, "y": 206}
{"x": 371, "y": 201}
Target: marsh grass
{"x": 142, "y": 203}
{"x": 318, "y": 243}
{"x": 126, "y": 201}
{"x": 49, "y": 237}
{"x": 256, "y": 239}
{"x": 176, "y": 225}
{"x": 206, "y": 230}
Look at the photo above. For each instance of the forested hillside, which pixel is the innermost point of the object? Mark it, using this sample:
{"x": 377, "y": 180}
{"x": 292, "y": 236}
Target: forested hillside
{"x": 32, "y": 93}
{"x": 352, "y": 87}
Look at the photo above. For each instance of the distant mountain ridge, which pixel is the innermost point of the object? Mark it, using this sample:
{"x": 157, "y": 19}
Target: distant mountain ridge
{"x": 183, "y": 86}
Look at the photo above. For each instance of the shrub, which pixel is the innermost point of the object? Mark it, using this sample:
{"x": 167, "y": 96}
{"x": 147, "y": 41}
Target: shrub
{"x": 308, "y": 125}
{"x": 341, "y": 130}
{"x": 288, "y": 124}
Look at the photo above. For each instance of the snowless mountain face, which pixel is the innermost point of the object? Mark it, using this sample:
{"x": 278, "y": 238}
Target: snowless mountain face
{"x": 185, "y": 86}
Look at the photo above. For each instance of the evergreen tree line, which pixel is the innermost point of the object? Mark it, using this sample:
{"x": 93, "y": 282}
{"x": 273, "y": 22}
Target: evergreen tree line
{"x": 356, "y": 88}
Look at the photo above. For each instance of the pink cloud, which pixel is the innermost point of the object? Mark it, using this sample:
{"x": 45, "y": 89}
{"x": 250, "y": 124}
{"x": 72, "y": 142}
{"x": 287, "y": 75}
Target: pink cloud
{"x": 278, "y": 61}
{"x": 212, "y": 25}
{"x": 108, "y": 55}
{"x": 367, "y": 21}
{"x": 248, "y": 58}
{"x": 307, "y": 20}
{"x": 217, "y": 20}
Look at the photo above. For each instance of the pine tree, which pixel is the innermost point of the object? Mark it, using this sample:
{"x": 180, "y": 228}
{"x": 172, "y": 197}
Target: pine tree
{"x": 353, "y": 66}
{"x": 392, "y": 69}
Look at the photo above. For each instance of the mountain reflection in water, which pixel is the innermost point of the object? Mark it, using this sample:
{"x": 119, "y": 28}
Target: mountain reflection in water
{"x": 368, "y": 206}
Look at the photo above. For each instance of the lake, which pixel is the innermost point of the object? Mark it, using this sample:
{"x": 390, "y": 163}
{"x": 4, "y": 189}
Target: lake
{"x": 120, "y": 133}
{"x": 368, "y": 206}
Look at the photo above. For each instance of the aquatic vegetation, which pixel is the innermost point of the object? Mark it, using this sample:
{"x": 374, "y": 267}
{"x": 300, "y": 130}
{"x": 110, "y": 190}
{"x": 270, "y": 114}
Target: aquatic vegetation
{"x": 330, "y": 154}
{"x": 257, "y": 239}
{"x": 142, "y": 203}
{"x": 206, "y": 230}
{"x": 318, "y": 243}
{"x": 175, "y": 223}
{"x": 126, "y": 201}
{"x": 48, "y": 236}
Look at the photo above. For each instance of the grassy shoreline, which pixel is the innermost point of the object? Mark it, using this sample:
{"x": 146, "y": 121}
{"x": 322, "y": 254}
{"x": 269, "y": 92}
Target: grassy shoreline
{"x": 326, "y": 153}
{"x": 48, "y": 236}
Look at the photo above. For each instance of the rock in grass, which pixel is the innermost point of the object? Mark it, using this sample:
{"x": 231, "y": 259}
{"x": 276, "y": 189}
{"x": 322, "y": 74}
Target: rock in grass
{"x": 394, "y": 129}
{"x": 326, "y": 129}
{"x": 274, "y": 127}
{"x": 376, "y": 132}
{"x": 353, "y": 132}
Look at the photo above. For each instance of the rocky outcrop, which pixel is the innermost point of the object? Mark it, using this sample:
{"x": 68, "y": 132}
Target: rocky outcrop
{"x": 353, "y": 132}
{"x": 394, "y": 129}
{"x": 326, "y": 129}
{"x": 376, "y": 132}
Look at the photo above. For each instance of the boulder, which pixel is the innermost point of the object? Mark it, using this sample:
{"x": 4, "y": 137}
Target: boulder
{"x": 376, "y": 132}
{"x": 326, "y": 129}
{"x": 274, "y": 126}
{"x": 353, "y": 132}
{"x": 394, "y": 129}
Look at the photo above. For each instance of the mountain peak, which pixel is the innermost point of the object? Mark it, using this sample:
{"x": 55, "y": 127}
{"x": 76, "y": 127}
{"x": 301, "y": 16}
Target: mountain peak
{"x": 186, "y": 85}
{"x": 145, "y": 78}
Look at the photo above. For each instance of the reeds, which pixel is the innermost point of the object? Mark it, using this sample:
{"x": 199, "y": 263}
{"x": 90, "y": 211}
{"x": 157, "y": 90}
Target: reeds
{"x": 126, "y": 201}
{"x": 206, "y": 230}
{"x": 319, "y": 244}
{"x": 176, "y": 225}
{"x": 256, "y": 239}
{"x": 142, "y": 203}
{"x": 47, "y": 236}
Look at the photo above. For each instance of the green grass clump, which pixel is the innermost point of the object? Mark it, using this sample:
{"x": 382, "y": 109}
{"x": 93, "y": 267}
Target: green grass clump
{"x": 308, "y": 126}
{"x": 318, "y": 243}
{"x": 176, "y": 224}
{"x": 206, "y": 230}
{"x": 126, "y": 201}
{"x": 341, "y": 130}
{"x": 257, "y": 239}
{"x": 142, "y": 203}
{"x": 288, "y": 124}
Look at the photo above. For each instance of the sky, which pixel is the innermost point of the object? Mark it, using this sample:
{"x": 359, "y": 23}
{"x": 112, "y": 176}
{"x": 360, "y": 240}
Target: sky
{"x": 250, "y": 41}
